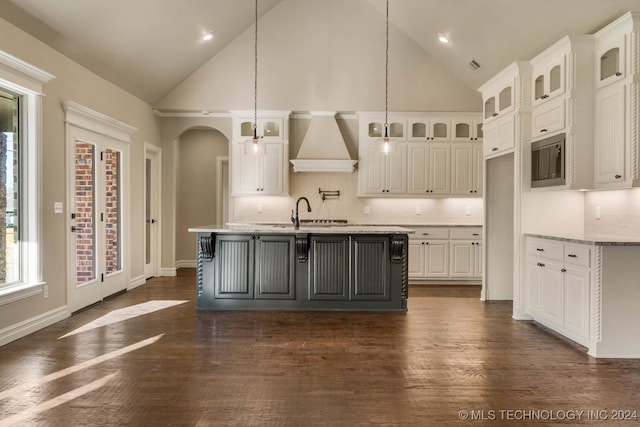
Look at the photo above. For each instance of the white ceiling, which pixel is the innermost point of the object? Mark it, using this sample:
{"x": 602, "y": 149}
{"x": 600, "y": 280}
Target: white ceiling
{"x": 148, "y": 47}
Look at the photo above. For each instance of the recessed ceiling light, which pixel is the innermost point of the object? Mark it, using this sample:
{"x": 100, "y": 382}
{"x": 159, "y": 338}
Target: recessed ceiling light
{"x": 443, "y": 38}
{"x": 207, "y": 36}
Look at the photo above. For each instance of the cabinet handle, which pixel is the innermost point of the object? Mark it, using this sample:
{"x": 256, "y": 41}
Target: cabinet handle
{"x": 543, "y": 130}
{"x": 494, "y": 114}
{"x": 618, "y": 73}
{"x": 540, "y": 264}
{"x": 475, "y": 234}
{"x": 572, "y": 256}
{"x": 563, "y": 270}
{"x": 425, "y": 234}
{"x": 494, "y": 149}
{"x": 618, "y": 176}
{"x": 539, "y": 249}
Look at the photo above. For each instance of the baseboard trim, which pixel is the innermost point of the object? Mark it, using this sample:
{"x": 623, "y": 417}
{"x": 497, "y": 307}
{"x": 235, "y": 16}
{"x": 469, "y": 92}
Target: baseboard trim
{"x": 186, "y": 263}
{"x": 168, "y": 272}
{"x": 29, "y": 326}
{"x": 137, "y": 281}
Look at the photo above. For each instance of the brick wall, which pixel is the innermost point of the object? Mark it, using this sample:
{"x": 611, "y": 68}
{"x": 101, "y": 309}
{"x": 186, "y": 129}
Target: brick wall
{"x": 85, "y": 206}
{"x": 112, "y": 209}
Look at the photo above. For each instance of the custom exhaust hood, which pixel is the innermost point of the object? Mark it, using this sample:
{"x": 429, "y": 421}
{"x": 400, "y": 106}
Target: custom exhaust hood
{"x": 323, "y": 148}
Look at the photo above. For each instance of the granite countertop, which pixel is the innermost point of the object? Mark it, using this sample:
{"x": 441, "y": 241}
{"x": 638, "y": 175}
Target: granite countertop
{"x": 590, "y": 239}
{"x": 287, "y": 228}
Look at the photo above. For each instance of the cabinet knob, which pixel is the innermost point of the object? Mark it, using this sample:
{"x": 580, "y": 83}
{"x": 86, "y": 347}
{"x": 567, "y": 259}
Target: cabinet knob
{"x": 494, "y": 149}
{"x": 540, "y": 264}
{"x": 563, "y": 270}
{"x": 618, "y": 176}
{"x": 618, "y": 73}
{"x": 494, "y": 114}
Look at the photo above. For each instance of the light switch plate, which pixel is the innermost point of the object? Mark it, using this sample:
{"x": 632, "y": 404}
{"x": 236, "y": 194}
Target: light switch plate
{"x": 57, "y": 207}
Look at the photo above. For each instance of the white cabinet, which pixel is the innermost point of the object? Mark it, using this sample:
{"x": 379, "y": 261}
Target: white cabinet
{"x": 467, "y": 129}
{"x": 466, "y": 168}
{"x": 259, "y": 174}
{"x": 617, "y": 98}
{"x": 429, "y": 129}
{"x": 558, "y": 286}
{"x": 445, "y": 254}
{"x": 372, "y": 128}
{"x": 385, "y": 173}
{"x": 549, "y": 118}
{"x": 611, "y": 140}
{"x": 499, "y": 136}
{"x": 429, "y": 168}
{"x": 263, "y": 174}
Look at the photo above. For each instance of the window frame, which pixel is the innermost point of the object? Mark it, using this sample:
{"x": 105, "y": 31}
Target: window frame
{"x": 27, "y": 81}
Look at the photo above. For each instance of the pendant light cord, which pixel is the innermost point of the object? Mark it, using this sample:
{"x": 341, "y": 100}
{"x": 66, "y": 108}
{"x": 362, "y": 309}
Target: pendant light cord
{"x": 386, "y": 77}
{"x": 255, "y": 80}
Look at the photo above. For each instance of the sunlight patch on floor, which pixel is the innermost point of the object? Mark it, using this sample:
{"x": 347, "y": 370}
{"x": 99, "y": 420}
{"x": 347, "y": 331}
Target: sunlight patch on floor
{"x": 126, "y": 313}
{"x": 80, "y": 366}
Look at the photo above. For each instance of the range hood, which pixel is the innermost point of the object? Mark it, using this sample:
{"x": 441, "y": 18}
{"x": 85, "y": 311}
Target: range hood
{"x": 323, "y": 148}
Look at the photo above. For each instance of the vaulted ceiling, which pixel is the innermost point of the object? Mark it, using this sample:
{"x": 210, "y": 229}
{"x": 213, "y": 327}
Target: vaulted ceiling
{"x": 148, "y": 47}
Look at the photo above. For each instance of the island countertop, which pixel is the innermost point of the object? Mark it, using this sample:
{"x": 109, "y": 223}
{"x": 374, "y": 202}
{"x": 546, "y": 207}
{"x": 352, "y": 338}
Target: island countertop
{"x": 590, "y": 239}
{"x": 286, "y": 228}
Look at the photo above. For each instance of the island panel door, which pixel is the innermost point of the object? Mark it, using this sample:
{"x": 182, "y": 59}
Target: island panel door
{"x": 234, "y": 262}
{"x": 371, "y": 274}
{"x": 329, "y": 268}
{"x": 274, "y": 267}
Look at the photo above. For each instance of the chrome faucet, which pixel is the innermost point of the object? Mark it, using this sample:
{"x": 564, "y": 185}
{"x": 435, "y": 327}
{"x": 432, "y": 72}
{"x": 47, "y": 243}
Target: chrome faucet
{"x": 295, "y": 219}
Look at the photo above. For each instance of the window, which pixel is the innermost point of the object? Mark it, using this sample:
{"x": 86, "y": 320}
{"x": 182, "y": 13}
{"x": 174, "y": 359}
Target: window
{"x": 9, "y": 188}
{"x": 20, "y": 187}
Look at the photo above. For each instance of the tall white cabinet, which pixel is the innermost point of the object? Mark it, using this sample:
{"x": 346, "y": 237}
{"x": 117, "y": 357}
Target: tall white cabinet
{"x": 268, "y": 172}
{"x": 617, "y": 100}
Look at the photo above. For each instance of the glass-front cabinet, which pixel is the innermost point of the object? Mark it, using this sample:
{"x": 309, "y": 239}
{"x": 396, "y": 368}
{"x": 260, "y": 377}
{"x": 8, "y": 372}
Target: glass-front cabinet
{"x": 467, "y": 129}
{"x": 499, "y": 102}
{"x": 610, "y": 59}
{"x": 430, "y": 129}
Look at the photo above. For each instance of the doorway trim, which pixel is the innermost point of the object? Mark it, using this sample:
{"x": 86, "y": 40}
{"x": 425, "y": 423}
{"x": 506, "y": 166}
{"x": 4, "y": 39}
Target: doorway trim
{"x": 154, "y": 153}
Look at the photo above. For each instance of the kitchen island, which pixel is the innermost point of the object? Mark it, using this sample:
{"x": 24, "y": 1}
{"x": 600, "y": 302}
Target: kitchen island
{"x": 279, "y": 267}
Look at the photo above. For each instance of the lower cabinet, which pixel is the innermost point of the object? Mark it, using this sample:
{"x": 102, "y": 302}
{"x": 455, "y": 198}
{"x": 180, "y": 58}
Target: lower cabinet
{"x": 558, "y": 287}
{"x": 343, "y": 268}
{"x": 260, "y": 267}
{"x": 445, "y": 253}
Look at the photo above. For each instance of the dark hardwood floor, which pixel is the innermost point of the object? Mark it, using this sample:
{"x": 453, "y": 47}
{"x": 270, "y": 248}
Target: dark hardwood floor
{"x": 174, "y": 366}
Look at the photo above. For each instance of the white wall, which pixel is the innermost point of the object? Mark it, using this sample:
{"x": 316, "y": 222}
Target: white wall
{"x": 74, "y": 83}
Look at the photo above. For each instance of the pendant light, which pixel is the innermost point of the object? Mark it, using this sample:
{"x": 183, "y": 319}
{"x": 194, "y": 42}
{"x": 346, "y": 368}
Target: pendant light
{"x": 387, "y": 144}
{"x": 253, "y": 145}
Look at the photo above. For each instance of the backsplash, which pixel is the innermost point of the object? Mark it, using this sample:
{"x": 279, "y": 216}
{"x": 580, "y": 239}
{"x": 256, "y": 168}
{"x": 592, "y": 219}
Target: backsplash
{"x": 619, "y": 212}
{"x": 446, "y": 210}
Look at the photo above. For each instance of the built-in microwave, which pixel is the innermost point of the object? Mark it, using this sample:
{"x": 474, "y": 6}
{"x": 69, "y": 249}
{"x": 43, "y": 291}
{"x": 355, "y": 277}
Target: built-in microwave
{"x": 548, "y": 162}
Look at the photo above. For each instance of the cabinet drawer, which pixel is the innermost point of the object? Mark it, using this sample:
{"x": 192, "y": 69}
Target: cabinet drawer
{"x": 577, "y": 255}
{"x": 430, "y": 233}
{"x": 548, "y": 118}
{"x": 545, "y": 249}
{"x": 466, "y": 233}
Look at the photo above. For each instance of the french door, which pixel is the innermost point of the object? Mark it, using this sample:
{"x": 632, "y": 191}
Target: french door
{"x": 152, "y": 165}
{"x": 96, "y": 206}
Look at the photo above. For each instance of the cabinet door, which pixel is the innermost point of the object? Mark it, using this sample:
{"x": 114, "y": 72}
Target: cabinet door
{"x": 499, "y": 136}
{"x": 440, "y": 129}
{"x": 534, "y": 275}
{"x": 274, "y": 267}
{"x": 418, "y": 168}
{"x": 548, "y": 118}
{"x": 461, "y": 169}
{"x": 246, "y": 171}
{"x": 375, "y": 173}
{"x": 416, "y": 259}
{"x": 477, "y": 165}
{"x": 466, "y": 130}
{"x": 234, "y": 260}
{"x": 610, "y": 136}
{"x": 479, "y": 260}
{"x": 462, "y": 259}
{"x": 439, "y": 168}
{"x": 552, "y": 293}
{"x": 329, "y": 268}
{"x": 273, "y": 169}
{"x": 611, "y": 59}
{"x": 576, "y": 301}
{"x": 370, "y": 258}
{"x": 436, "y": 259}
{"x": 396, "y": 169}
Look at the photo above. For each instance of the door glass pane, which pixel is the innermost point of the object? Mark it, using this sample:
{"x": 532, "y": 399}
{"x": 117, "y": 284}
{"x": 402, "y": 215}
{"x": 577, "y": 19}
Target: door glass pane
{"x": 271, "y": 129}
{"x": 147, "y": 210}
{"x": 505, "y": 98}
{"x": 9, "y": 188}
{"x": 375, "y": 130}
{"x": 609, "y": 63}
{"x": 396, "y": 130}
{"x": 538, "y": 87}
{"x": 440, "y": 130}
{"x": 85, "y": 212}
{"x": 462, "y": 130}
{"x": 246, "y": 129}
{"x": 555, "y": 78}
{"x": 419, "y": 130}
{"x": 479, "y": 131}
{"x": 112, "y": 189}
{"x": 489, "y": 107}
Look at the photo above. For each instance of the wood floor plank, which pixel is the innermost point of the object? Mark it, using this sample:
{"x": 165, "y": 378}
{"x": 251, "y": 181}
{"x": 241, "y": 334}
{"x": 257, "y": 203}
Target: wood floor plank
{"x": 449, "y": 353}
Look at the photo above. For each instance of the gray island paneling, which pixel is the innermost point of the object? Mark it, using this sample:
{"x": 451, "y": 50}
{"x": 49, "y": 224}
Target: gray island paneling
{"x": 277, "y": 267}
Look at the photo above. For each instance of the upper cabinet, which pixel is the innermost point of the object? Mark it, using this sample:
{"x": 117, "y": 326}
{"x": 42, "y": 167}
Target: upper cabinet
{"x": 421, "y": 162}
{"x": 506, "y": 94}
{"x": 617, "y": 65}
{"x": 268, "y": 172}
